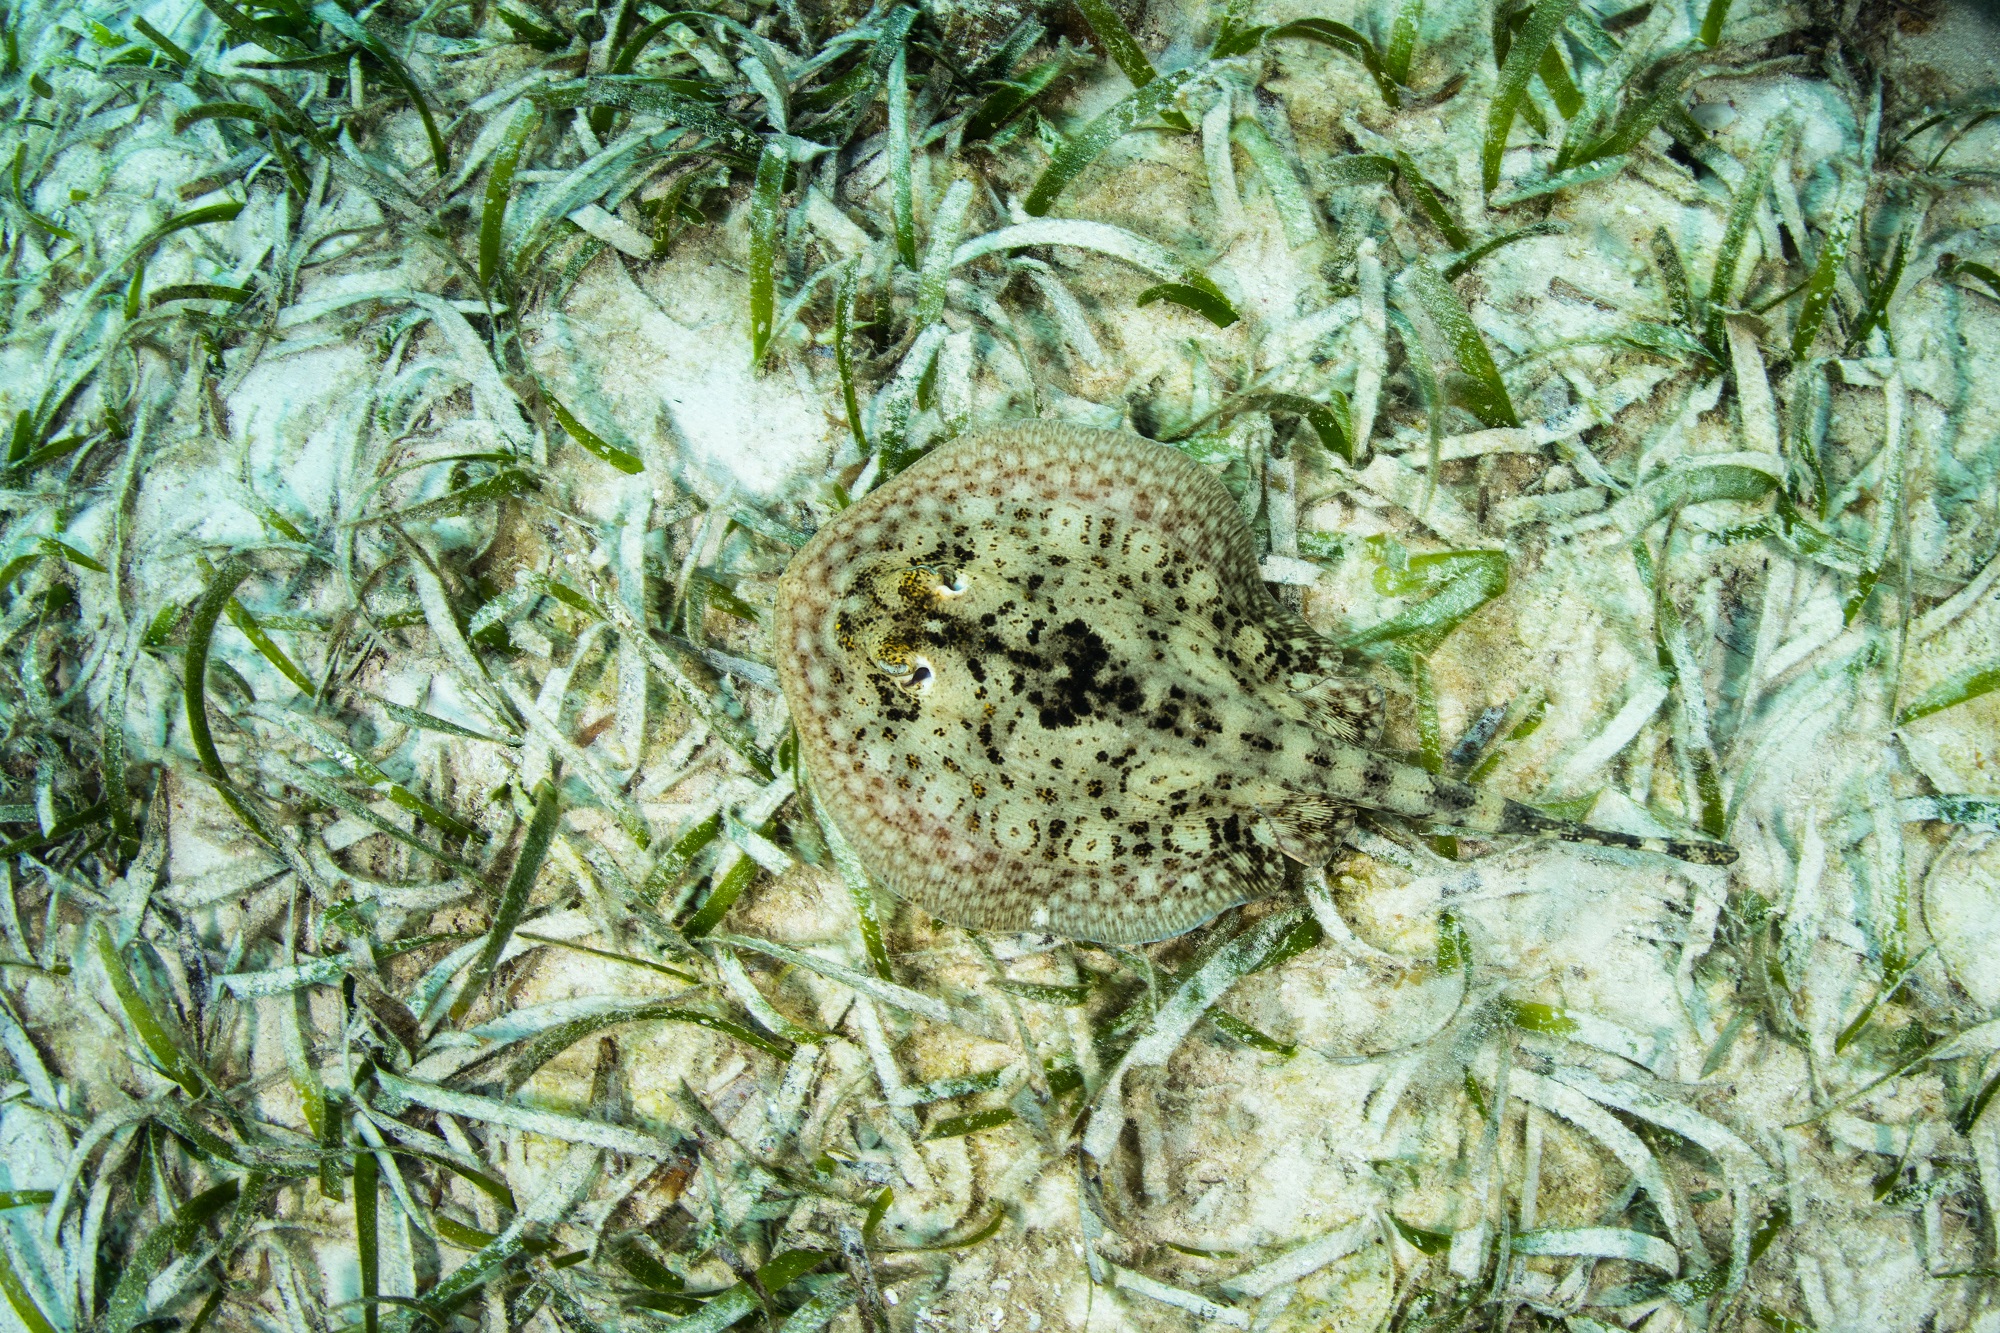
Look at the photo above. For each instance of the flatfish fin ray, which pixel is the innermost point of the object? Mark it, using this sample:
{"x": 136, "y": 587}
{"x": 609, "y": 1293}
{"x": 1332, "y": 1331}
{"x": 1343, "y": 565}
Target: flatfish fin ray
{"x": 1308, "y": 827}
{"x": 1345, "y": 708}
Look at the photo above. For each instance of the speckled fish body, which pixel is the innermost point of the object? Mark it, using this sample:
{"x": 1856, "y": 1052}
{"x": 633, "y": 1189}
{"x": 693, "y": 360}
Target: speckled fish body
{"x": 1039, "y": 685}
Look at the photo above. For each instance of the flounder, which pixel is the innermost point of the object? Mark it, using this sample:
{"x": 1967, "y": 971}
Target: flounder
{"x": 1039, "y": 685}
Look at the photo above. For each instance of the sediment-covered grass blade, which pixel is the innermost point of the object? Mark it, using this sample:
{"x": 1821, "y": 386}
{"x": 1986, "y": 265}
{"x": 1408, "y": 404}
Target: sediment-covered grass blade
{"x": 1118, "y": 41}
{"x": 522, "y": 123}
{"x": 1206, "y": 302}
{"x": 513, "y": 899}
{"x": 1486, "y": 397}
{"x": 1082, "y": 148}
{"x": 1337, "y": 35}
{"x": 1463, "y": 581}
{"x": 772, "y": 168}
{"x": 1523, "y": 61}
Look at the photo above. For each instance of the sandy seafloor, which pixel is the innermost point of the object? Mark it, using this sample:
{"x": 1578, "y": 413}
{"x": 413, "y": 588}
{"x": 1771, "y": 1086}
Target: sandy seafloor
{"x": 1608, "y": 1059}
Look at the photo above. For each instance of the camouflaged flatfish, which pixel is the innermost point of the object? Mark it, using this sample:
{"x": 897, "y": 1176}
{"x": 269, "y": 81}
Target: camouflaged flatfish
{"x": 1039, "y": 685}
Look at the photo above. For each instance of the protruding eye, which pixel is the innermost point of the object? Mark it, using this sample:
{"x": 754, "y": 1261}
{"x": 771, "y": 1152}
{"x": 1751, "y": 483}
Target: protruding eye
{"x": 892, "y": 657}
{"x": 921, "y": 583}
{"x": 920, "y": 677}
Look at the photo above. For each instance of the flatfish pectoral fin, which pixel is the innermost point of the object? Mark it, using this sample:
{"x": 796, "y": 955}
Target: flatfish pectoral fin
{"x": 1306, "y": 826}
{"x": 1344, "y": 708}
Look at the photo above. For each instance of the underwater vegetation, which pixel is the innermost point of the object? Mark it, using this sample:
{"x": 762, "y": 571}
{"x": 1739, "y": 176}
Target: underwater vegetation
{"x": 413, "y": 908}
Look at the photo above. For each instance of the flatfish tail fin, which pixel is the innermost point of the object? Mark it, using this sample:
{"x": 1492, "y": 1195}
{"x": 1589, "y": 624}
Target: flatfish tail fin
{"x": 1518, "y": 818}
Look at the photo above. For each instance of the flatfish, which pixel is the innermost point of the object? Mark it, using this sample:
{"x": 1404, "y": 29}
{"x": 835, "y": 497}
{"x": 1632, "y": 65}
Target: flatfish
{"x": 1039, "y": 685}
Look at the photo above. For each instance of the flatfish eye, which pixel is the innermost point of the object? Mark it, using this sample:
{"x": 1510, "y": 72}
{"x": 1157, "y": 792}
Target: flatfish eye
{"x": 923, "y": 583}
{"x": 892, "y": 657}
{"x": 918, "y": 679}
